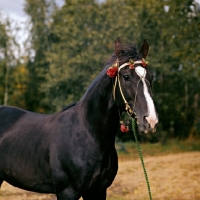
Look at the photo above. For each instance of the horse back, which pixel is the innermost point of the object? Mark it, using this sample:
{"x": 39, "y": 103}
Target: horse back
{"x": 9, "y": 116}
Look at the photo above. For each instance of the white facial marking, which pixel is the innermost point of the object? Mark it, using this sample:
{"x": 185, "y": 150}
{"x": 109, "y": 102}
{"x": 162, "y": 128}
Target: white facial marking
{"x": 152, "y": 117}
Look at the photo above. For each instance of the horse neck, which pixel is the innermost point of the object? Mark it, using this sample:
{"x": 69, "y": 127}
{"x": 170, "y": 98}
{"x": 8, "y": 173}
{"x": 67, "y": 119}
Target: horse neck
{"x": 100, "y": 110}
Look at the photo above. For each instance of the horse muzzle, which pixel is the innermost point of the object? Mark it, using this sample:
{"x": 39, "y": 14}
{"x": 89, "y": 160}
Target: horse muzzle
{"x": 146, "y": 125}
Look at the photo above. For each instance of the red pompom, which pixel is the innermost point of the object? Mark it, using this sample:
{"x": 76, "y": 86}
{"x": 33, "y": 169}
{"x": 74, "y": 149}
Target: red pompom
{"x": 112, "y": 71}
{"x": 124, "y": 128}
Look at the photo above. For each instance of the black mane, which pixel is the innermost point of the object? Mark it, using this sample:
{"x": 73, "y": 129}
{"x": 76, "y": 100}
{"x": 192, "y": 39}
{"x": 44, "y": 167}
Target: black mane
{"x": 68, "y": 106}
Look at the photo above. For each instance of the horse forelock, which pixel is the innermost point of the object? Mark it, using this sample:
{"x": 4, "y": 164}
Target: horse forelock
{"x": 129, "y": 51}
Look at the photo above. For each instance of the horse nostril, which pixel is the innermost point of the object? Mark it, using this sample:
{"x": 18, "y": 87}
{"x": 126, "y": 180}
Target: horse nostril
{"x": 145, "y": 121}
{"x": 144, "y": 118}
{"x": 152, "y": 121}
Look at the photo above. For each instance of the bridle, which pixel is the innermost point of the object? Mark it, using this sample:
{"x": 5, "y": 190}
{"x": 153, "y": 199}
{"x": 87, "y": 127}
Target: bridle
{"x": 131, "y": 65}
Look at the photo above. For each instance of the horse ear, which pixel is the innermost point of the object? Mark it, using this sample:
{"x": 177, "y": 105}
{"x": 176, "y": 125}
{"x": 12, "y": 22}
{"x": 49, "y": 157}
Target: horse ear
{"x": 144, "y": 49}
{"x": 118, "y": 48}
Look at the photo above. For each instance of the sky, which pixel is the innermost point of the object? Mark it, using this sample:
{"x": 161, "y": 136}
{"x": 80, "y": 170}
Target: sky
{"x": 15, "y": 11}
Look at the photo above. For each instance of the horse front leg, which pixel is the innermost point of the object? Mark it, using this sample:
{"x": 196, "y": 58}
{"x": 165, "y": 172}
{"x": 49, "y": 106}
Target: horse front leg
{"x": 95, "y": 195}
{"x": 68, "y": 194}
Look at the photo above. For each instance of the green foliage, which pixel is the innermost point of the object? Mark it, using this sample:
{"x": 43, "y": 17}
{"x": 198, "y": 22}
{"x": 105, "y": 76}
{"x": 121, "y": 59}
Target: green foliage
{"x": 8, "y": 60}
{"x": 40, "y": 12}
{"x": 178, "y": 72}
{"x": 74, "y": 56}
{"x": 68, "y": 47}
{"x": 2, "y": 60}
{"x": 173, "y": 146}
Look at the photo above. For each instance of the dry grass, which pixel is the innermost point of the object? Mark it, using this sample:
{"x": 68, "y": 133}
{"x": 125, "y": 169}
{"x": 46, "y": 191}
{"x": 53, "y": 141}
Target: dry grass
{"x": 174, "y": 177}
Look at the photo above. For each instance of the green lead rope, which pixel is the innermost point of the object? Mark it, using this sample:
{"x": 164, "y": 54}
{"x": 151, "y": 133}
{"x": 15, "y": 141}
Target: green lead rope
{"x": 141, "y": 158}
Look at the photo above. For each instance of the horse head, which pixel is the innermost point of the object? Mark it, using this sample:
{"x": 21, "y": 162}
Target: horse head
{"x": 132, "y": 85}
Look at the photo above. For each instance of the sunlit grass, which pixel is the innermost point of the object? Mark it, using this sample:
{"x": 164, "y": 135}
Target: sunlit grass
{"x": 128, "y": 150}
{"x": 166, "y": 175}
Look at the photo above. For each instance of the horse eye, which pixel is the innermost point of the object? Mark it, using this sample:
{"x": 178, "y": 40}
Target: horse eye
{"x": 126, "y": 78}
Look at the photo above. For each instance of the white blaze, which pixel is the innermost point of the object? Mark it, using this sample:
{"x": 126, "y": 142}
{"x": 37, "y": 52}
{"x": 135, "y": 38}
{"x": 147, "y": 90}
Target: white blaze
{"x": 152, "y": 117}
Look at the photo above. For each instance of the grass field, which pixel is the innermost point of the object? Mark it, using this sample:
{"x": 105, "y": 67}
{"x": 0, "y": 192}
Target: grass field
{"x": 173, "y": 170}
{"x": 128, "y": 151}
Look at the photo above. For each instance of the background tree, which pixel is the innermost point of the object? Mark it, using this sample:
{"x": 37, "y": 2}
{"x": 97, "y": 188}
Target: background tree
{"x": 76, "y": 52}
{"x": 39, "y": 12}
{"x": 177, "y": 73}
{"x": 3, "y": 38}
{"x": 9, "y": 61}
{"x": 68, "y": 46}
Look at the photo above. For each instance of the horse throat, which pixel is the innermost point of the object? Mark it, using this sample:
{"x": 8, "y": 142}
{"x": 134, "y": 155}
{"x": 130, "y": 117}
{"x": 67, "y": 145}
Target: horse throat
{"x": 100, "y": 109}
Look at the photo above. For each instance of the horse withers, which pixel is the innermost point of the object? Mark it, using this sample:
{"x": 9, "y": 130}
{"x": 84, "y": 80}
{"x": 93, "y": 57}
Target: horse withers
{"x": 72, "y": 153}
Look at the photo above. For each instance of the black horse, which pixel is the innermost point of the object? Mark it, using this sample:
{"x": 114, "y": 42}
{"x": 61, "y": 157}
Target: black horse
{"x": 72, "y": 153}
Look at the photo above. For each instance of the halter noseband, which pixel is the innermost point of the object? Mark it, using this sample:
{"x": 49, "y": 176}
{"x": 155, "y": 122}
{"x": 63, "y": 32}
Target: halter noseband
{"x": 131, "y": 65}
